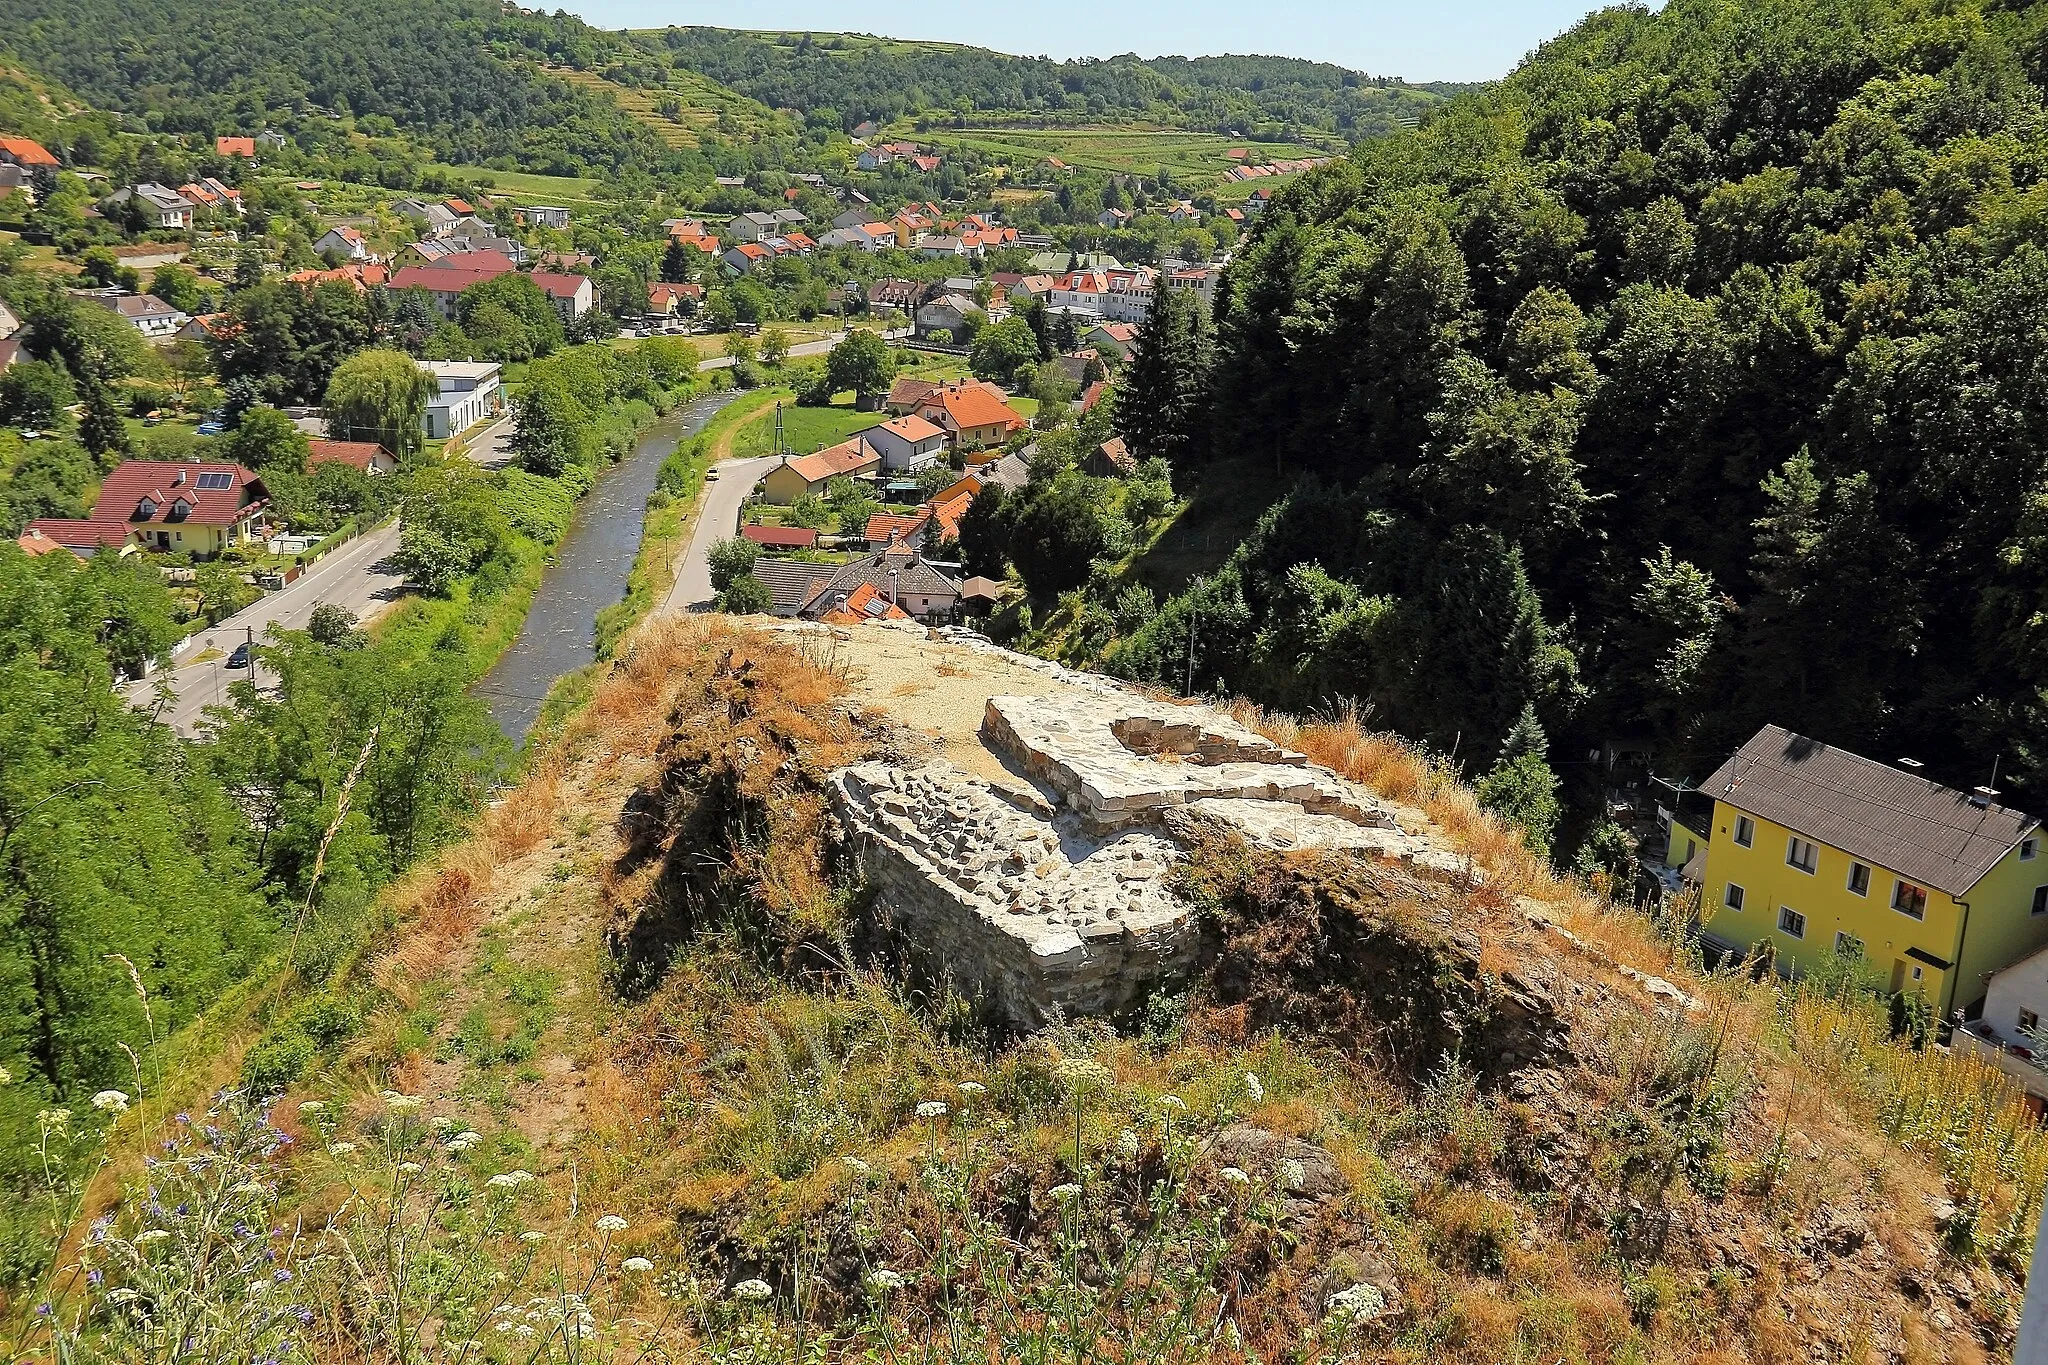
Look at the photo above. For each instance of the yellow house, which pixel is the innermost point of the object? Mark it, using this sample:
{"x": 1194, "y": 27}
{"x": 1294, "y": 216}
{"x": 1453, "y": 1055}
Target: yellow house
{"x": 1814, "y": 849}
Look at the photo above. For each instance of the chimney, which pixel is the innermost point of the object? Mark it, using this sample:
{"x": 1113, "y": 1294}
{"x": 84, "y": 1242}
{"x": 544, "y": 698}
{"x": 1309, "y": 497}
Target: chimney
{"x": 1981, "y": 797}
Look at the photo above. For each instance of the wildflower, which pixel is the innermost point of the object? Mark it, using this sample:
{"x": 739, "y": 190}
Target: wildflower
{"x": 1127, "y": 1144}
{"x": 972, "y": 1089}
{"x": 122, "y": 1295}
{"x": 111, "y": 1101}
{"x": 751, "y": 1289}
{"x": 1254, "y": 1088}
{"x": 1234, "y": 1176}
{"x": 509, "y": 1180}
{"x": 54, "y": 1120}
{"x": 313, "y": 1108}
{"x": 1359, "y": 1303}
{"x": 1173, "y": 1104}
{"x": 6, "y": 1076}
{"x": 281, "y": 1276}
{"x": 143, "y": 1239}
{"x": 611, "y": 1222}
{"x": 856, "y": 1165}
{"x": 1289, "y": 1175}
{"x": 931, "y": 1109}
{"x": 640, "y": 1265}
{"x": 340, "y": 1148}
{"x": 533, "y": 1238}
{"x": 442, "y": 1124}
{"x": 1065, "y": 1192}
{"x": 402, "y": 1103}
{"x": 463, "y": 1141}
{"x": 883, "y": 1281}
{"x": 1083, "y": 1073}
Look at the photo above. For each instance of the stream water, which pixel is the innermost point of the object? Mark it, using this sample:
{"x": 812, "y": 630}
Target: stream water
{"x": 589, "y": 573}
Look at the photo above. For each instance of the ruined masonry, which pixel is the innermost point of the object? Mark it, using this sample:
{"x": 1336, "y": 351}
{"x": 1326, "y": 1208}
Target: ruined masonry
{"x": 1055, "y": 893}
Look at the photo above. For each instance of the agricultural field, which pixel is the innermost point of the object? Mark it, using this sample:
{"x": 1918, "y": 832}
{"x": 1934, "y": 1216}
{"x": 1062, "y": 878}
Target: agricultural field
{"x": 565, "y": 190}
{"x": 1144, "y": 151}
{"x": 687, "y": 111}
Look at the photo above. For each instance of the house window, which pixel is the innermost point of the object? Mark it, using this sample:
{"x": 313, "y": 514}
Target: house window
{"x": 1745, "y": 830}
{"x": 1801, "y": 854}
{"x": 1791, "y": 923}
{"x": 2041, "y": 900}
{"x": 2028, "y": 848}
{"x": 1733, "y": 896}
{"x": 1847, "y": 944}
{"x": 1859, "y": 879}
{"x": 1690, "y": 849}
{"x": 2029, "y": 1021}
{"x": 1909, "y": 899}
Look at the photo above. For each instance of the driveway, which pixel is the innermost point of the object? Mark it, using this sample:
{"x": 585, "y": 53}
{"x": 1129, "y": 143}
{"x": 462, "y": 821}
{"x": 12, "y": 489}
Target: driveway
{"x": 358, "y": 576}
{"x": 489, "y": 448}
{"x": 718, "y": 518}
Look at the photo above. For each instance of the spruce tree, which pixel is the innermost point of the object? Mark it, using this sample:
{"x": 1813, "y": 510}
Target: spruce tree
{"x": 102, "y": 429}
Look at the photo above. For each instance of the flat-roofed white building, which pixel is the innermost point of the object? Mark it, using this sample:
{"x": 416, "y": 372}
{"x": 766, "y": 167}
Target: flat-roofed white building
{"x": 469, "y": 392}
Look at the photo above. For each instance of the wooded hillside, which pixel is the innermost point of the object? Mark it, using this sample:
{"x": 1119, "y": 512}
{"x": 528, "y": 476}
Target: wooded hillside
{"x": 1689, "y": 378}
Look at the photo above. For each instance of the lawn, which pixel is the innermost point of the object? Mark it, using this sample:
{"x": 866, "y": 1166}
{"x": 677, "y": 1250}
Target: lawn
{"x": 804, "y": 430}
{"x": 563, "y": 190}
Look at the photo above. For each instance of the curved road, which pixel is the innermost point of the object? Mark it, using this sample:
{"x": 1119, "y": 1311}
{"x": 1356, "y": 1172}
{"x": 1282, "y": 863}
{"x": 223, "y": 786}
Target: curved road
{"x": 718, "y": 518}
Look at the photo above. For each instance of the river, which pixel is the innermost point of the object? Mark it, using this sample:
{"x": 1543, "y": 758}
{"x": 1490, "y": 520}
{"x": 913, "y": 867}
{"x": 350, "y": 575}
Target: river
{"x": 589, "y": 572}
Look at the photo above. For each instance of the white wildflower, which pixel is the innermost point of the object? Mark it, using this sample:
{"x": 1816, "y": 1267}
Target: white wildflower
{"x": 1065, "y": 1192}
{"x": 972, "y": 1088}
{"x": 856, "y": 1165}
{"x": 884, "y": 1281}
{"x": 402, "y": 1103}
{"x": 1234, "y": 1176}
{"x": 340, "y": 1148}
{"x": 1083, "y": 1073}
{"x": 442, "y": 1124}
{"x": 311, "y": 1107}
{"x": 1255, "y": 1088}
{"x": 1127, "y": 1144}
{"x": 931, "y": 1109}
{"x": 1359, "y": 1303}
{"x": 56, "y": 1120}
{"x": 509, "y": 1180}
{"x": 143, "y": 1239}
{"x": 638, "y": 1265}
{"x": 122, "y": 1295}
{"x": 6, "y": 1076}
{"x": 409, "y": 1168}
{"x": 533, "y": 1238}
{"x": 1173, "y": 1104}
{"x": 111, "y": 1101}
{"x": 611, "y": 1222}
{"x": 1289, "y": 1175}
{"x": 751, "y": 1289}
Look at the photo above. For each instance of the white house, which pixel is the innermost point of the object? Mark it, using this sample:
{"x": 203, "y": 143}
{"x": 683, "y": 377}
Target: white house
{"x": 947, "y": 313}
{"x": 2008, "y": 1033}
{"x": 751, "y": 227}
{"x": 147, "y": 314}
{"x": 908, "y": 442}
{"x": 468, "y": 392}
{"x": 546, "y": 215}
{"x": 345, "y": 242}
{"x": 164, "y": 206}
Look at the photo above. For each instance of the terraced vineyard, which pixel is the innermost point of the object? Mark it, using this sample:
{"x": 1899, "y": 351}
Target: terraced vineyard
{"x": 687, "y": 111}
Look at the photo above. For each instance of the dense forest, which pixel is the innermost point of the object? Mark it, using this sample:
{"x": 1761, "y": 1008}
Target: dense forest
{"x": 1691, "y": 377}
{"x": 867, "y": 78}
{"x": 461, "y": 73}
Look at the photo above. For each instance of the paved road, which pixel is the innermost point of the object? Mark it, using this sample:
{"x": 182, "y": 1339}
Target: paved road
{"x": 358, "y": 576}
{"x": 717, "y": 519}
{"x": 489, "y": 448}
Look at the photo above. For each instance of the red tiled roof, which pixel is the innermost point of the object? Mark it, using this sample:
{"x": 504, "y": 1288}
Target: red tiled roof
{"x": 24, "y": 152}
{"x": 864, "y": 603}
{"x": 833, "y": 461}
{"x": 234, "y": 146}
{"x": 782, "y": 537}
{"x": 454, "y": 275}
{"x": 1093, "y": 396}
{"x": 884, "y": 526}
{"x": 33, "y": 542}
{"x": 1118, "y": 454}
{"x": 162, "y": 484}
{"x": 354, "y": 454}
{"x": 965, "y": 406}
{"x": 911, "y": 427}
{"x": 558, "y": 286}
{"x": 462, "y": 207}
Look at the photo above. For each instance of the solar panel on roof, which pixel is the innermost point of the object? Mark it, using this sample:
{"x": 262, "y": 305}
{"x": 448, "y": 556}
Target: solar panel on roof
{"x": 216, "y": 481}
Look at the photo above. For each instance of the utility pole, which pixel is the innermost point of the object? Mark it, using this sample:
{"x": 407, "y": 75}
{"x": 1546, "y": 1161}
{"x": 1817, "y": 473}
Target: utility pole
{"x": 250, "y": 632}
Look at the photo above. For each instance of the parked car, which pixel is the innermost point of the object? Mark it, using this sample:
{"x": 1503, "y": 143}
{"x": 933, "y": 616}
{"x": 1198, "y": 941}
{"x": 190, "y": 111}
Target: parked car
{"x": 211, "y": 428}
{"x": 240, "y": 658}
